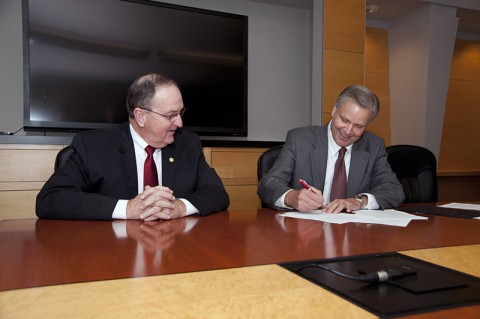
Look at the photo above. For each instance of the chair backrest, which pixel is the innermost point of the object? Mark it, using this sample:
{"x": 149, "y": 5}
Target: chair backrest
{"x": 266, "y": 160}
{"x": 416, "y": 169}
{"x": 265, "y": 163}
{"x": 62, "y": 156}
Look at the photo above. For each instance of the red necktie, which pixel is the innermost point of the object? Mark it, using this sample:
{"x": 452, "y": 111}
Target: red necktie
{"x": 150, "y": 176}
{"x": 339, "y": 183}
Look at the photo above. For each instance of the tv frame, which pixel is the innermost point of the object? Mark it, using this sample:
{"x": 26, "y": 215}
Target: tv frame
{"x": 65, "y": 126}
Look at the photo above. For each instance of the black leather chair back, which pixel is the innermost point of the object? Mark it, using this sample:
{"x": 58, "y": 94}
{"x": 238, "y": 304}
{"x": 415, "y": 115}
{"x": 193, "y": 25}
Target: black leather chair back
{"x": 416, "y": 169}
{"x": 266, "y": 160}
{"x": 62, "y": 156}
{"x": 265, "y": 163}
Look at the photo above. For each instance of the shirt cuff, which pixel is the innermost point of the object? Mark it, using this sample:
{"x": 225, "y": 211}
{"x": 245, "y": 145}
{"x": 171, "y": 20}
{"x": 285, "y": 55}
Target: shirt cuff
{"x": 120, "y": 211}
{"x": 372, "y": 202}
{"x": 190, "y": 208}
{"x": 281, "y": 201}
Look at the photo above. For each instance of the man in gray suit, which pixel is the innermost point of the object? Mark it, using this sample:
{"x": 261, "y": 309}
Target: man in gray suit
{"x": 310, "y": 153}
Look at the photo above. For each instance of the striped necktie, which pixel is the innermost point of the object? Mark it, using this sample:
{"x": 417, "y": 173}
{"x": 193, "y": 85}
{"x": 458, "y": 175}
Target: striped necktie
{"x": 339, "y": 183}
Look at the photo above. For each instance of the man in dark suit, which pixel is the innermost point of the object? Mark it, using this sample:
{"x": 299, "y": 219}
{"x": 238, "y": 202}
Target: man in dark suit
{"x": 104, "y": 177}
{"x": 310, "y": 153}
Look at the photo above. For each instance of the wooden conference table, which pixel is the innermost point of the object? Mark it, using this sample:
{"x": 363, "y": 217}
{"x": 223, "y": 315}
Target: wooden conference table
{"x": 221, "y": 265}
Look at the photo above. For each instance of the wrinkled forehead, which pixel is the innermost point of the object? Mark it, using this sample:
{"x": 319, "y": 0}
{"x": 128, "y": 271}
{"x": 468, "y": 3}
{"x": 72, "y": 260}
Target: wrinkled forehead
{"x": 167, "y": 99}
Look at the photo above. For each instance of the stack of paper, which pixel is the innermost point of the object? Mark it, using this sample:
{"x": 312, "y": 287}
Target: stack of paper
{"x": 389, "y": 217}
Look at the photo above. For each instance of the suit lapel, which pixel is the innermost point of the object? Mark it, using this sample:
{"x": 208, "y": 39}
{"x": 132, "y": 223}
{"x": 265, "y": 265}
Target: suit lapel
{"x": 169, "y": 165}
{"x": 358, "y": 165}
{"x": 127, "y": 155}
{"x": 319, "y": 157}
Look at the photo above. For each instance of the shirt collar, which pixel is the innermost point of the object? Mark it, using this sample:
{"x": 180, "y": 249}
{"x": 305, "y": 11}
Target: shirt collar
{"x": 137, "y": 139}
{"x": 333, "y": 147}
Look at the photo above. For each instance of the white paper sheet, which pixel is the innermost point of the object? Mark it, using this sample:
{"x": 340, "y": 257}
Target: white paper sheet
{"x": 461, "y": 206}
{"x": 389, "y": 217}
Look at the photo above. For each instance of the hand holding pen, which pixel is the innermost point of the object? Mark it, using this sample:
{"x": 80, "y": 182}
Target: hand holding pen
{"x": 316, "y": 201}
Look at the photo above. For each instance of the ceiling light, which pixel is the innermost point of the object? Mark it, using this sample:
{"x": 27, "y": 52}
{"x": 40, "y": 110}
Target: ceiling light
{"x": 371, "y": 8}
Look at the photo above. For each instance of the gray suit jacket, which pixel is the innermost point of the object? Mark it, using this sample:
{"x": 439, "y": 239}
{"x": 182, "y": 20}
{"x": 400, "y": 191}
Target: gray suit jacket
{"x": 304, "y": 155}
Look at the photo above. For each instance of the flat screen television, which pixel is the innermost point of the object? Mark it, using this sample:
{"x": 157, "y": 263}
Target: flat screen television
{"x": 81, "y": 56}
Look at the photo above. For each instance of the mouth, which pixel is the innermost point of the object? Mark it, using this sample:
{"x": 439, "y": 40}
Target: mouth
{"x": 346, "y": 137}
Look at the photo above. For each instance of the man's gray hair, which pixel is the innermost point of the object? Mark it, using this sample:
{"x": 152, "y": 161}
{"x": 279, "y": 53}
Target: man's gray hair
{"x": 142, "y": 90}
{"x": 362, "y": 96}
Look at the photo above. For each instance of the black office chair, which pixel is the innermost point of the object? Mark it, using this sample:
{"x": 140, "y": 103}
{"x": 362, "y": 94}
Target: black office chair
{"x": 416, "y": 169}
{"x": 265, "y": 163}
{"x": 266, "y": 160}
{"x": 62, "y": 156}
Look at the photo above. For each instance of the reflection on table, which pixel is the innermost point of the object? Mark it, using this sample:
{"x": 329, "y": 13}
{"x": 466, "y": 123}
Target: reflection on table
{"x": 48, "y": 252}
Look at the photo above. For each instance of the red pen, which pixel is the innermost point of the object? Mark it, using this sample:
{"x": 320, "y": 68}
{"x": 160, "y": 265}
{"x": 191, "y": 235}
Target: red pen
{"x": 305, "y": 185}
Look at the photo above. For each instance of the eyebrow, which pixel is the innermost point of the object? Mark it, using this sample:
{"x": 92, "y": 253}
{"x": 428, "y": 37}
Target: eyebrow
{"x": 347, "y": 120}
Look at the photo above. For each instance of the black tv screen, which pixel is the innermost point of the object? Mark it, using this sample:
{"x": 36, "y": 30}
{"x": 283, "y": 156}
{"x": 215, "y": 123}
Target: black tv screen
{"x": 81, "y": 56}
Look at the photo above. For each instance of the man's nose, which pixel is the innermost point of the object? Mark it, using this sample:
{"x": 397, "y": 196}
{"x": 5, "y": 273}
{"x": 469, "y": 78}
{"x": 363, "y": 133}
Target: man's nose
{"x": 178, "y": 121}
{"x": 349, "y": 129}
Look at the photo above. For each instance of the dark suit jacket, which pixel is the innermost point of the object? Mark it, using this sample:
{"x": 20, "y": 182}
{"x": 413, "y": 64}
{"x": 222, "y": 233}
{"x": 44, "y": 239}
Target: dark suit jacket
{"x": 102, "y": 170}
{"x": 304, "y": 155}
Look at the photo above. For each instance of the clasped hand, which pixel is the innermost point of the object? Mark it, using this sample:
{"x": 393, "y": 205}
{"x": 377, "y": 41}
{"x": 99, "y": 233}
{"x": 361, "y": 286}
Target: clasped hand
{"x": 155, "y": 203}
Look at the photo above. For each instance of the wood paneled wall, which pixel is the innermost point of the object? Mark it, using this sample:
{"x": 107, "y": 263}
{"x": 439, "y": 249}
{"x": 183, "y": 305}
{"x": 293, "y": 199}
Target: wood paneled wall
{"x": 460, "y": 147}
{"x": 355, "y": 56}
{"x": 377, "y": 78}
{"x": 237, "y": 167}
{"x": 349, "y": 63}
{"x": 343, "y": 52}
{"x": 24, "y": 170}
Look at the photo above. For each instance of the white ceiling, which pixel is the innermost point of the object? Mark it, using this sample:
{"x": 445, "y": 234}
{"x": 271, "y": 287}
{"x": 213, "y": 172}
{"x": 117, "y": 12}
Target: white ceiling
{"x": 468, "y": 11}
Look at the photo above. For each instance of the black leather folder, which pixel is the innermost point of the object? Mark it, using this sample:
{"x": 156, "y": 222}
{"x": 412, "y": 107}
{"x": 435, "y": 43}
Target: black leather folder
{"x": 429, "y": 287}
{"x": 442, "y": 211}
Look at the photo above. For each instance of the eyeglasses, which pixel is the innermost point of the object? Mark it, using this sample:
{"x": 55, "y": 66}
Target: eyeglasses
{"x": 171, "y": 117}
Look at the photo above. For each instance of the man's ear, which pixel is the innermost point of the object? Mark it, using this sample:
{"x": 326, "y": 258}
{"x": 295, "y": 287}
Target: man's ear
{"x": 139, "y": 115}
{"x": 334, "y": 110}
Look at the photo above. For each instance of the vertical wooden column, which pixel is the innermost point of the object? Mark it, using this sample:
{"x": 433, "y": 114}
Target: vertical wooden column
{"x": 377, "y": 78}
{"x": 343, "y": 49}
{"x": 460, "y": 143}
